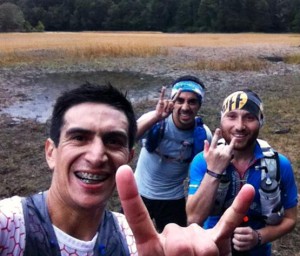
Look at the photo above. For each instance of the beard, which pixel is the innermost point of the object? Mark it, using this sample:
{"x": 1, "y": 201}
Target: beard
{"x": 244, "y": 143}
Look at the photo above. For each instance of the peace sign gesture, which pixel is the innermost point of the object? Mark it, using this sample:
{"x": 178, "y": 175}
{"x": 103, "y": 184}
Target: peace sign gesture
{"x": 164, "y": 106}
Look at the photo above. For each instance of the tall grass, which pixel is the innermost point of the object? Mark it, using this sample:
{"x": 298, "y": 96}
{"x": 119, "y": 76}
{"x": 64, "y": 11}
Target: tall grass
{"x": 233, "y": 64}
{"x": 292, "y": 59}
{"x": 18, "y": 48}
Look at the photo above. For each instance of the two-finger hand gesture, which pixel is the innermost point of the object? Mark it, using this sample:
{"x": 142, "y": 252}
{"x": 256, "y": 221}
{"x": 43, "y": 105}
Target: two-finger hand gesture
{"x": 164, "y": 106}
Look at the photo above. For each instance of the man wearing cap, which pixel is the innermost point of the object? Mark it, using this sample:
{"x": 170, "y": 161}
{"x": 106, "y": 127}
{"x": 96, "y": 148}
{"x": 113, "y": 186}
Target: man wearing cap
{"x": 171, "y": 136}
{"x": 235, "y": 157}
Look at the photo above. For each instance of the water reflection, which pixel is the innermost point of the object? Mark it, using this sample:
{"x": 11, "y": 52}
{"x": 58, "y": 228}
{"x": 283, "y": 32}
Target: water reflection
{"x": 47, "y": 88}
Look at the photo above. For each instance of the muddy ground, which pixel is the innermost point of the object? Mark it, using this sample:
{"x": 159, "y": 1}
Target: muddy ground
{"x": 22, "y": 166}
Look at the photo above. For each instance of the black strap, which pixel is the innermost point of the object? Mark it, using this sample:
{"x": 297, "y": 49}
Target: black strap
{"x": 41, "y": 239}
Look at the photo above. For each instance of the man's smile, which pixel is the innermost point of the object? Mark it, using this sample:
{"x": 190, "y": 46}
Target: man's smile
{"x": 90, "y": 178}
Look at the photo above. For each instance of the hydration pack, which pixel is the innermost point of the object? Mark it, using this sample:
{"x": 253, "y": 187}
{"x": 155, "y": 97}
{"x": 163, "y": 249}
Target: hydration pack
{"x": 270, "y": 193}
{"x": 41, "y": 239}
{"x": 156, "y": 134}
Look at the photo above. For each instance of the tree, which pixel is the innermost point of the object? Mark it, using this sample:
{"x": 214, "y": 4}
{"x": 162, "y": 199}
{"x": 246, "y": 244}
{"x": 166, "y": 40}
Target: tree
{"x": 11, "y": 18}
{"x": 262, "y": 20}
{"x": 208, "y": 13}
{"x": 186, "y": 15}
{"x": 39, "y": 27}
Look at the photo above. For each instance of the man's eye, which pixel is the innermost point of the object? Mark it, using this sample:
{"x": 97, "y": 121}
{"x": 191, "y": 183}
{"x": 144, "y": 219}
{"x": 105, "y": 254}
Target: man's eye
{"x": 116, "y": 142}
{"x": 231, "y": 116}
{"x": 180, "y": 101}
{"x": 251, "y": 118}
{"x": 193, "y": 102}
{"x": 78, "y": 138}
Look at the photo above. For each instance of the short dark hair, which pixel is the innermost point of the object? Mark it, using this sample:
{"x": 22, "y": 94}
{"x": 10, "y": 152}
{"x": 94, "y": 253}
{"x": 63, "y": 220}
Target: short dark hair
{"x": 106, "y": 94}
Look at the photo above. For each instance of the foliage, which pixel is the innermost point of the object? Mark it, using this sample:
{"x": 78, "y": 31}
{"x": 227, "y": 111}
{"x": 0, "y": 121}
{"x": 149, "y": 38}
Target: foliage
{"x": 39, "y": 27}
{"x": 11, "y": 18}
{"x": 154, "y": 15}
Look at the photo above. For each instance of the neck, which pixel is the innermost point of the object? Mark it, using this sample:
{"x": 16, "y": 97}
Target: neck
{"x": 243, "y": 159}
{"x": 82, "y": 224}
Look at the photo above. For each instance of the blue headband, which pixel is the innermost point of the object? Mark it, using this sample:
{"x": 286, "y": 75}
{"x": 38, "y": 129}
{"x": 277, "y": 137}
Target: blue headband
{"x": 188, "y": 86}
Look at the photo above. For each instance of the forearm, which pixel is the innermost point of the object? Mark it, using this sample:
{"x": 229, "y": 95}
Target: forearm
{"x": 145, "y": 122}
{"x": 200, "y": 204}
{"x": 271, "y": 233}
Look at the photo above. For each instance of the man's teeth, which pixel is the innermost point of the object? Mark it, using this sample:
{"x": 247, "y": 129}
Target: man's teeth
{"x": 90, "y": 178}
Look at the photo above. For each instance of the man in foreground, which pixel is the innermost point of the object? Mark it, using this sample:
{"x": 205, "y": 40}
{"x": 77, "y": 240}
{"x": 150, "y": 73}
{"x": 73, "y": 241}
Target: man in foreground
{"x": 92, "y": 133}
{"x": 218, "y": 174}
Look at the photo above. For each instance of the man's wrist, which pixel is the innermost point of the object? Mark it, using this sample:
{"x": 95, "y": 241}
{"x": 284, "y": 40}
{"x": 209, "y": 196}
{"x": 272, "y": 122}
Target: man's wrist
{"x": 259, "y": 238}
{"x": 214, "y": 174}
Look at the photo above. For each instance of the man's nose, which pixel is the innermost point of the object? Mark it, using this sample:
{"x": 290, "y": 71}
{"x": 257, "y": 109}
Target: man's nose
{"x": 96, "y": 152}
{"x": 240, "y": 124}
{"x": 185, "y": 105}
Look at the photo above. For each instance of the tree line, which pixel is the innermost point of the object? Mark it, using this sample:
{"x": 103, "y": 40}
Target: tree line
{"x": 271, "y": 16}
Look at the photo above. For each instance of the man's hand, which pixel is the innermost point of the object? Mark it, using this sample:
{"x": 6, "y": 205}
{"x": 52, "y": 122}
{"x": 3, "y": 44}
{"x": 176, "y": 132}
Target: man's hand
{"x": 218, "y": 157}
{"x": 244, "y": 238}
{"x": 164, "y": 106}
{"x": 175, "y": 240}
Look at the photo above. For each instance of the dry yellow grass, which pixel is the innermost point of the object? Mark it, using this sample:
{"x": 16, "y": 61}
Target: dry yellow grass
{"x": 33, "y": 41}
{"x": 292, "y": 59}
{"x": 232, "y": 64}
{"x": 64, "y": 46}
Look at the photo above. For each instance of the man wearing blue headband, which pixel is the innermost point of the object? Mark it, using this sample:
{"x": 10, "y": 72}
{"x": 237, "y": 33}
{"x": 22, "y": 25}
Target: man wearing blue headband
{"x": 171, "y": 136}
{"x": 235, "y": 157}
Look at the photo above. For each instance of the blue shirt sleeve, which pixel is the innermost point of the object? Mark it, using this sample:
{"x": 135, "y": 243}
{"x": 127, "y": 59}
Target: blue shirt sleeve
{"x": 197, "y": 171}
{"x": 289, "y": 190}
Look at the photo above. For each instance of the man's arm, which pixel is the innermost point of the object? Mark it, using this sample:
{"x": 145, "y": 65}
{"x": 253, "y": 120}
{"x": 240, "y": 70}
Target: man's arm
{"x": 164, "y": 108}
{"x": 200, "y": 204}
{"x": 175, "y": 240}
{"x": 246, "y": 238}
{"x": 145, "y": 122}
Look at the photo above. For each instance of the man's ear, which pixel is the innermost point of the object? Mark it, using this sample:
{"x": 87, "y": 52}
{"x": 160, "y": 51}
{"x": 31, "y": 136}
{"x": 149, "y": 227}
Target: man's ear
{"x": 50, "y": 153}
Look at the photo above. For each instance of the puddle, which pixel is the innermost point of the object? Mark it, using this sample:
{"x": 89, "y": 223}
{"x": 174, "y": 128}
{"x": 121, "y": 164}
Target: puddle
{"x": 43, "y": 91}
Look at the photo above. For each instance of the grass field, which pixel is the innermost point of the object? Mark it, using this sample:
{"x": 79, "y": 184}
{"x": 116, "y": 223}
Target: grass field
{"x": 18, "y": 48}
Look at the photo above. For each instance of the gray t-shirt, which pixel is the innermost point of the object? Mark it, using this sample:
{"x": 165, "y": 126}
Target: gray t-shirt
{"x": 160, "y": 175}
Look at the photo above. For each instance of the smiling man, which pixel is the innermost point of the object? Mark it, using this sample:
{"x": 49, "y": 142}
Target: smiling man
{"x": 92, "y": 133}
{"x": 171, "y": 135}
{"x": 218, "y": 174}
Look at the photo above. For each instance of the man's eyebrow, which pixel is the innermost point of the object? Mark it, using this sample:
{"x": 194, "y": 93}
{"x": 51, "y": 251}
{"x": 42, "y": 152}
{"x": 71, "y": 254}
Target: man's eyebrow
{"x": 78, "y": 130}
{"x": 117, "y": 133}
{"x": 86, "y": 131}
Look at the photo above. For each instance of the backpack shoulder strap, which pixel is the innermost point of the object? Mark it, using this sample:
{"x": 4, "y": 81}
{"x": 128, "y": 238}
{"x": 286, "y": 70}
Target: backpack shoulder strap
{"x": 40, "y": 236}
{"x": 155, "y": 135}
{"x": 199, "y": 136}
{"x": 270, "y": 162}
{"x": 110, "y": 240}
